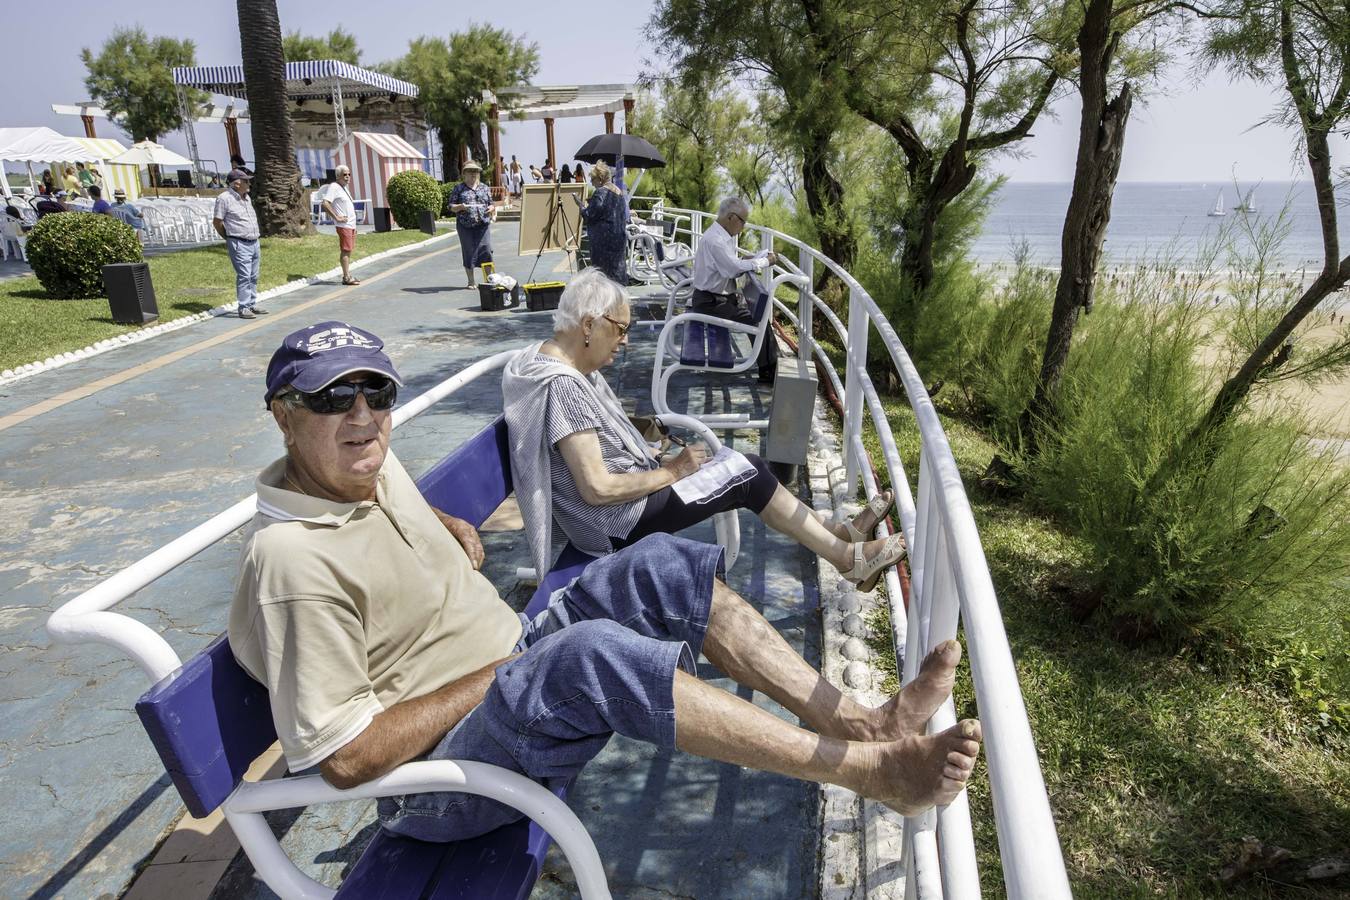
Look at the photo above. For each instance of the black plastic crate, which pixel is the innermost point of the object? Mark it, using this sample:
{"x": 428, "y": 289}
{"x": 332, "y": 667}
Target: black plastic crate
{"x": 494, "y": 299}
{"x": 543, "y": 295}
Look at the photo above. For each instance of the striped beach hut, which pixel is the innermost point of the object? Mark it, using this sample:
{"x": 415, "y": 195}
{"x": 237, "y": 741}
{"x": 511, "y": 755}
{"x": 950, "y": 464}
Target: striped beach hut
{"x": 374, "y": 159}
{"x": 128, "y": 178}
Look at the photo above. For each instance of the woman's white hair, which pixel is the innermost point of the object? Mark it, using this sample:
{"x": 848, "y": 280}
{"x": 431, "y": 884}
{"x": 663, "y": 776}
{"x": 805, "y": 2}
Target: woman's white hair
{"x": 591, "y": 294}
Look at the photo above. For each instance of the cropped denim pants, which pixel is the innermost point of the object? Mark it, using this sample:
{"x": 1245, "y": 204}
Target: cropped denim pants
{"x": 600, "y": 659}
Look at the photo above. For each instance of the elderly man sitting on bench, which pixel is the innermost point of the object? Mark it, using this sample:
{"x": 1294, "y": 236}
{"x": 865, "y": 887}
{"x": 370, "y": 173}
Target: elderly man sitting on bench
{"x": 360, "y": 608}
{"x": 717, "y": 265}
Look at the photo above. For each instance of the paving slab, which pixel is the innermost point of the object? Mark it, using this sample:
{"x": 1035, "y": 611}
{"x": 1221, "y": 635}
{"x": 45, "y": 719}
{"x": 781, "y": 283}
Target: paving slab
{"x": 109, "y": 475}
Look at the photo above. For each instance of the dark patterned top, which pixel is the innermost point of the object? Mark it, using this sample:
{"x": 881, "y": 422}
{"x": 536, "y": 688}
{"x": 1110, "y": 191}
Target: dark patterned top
{"x": 570, "y": 410}
{"x": 604, "y": 217}
{"x": 479, "y": 199}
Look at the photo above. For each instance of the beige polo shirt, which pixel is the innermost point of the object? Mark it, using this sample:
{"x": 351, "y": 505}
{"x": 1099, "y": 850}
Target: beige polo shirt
{"x": 344, "y": 609}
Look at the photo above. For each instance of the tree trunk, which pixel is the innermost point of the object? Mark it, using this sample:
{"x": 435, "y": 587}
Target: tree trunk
{"x": 1101, "y": 141}
{"x": 825, "y": 200}
{"x": 277, "y": 195}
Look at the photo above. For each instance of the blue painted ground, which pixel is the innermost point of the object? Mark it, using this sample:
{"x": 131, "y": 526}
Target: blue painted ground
{"x": 92, "y": 486}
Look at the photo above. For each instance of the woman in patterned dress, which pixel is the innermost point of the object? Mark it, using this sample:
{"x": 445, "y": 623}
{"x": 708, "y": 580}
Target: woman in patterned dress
{"x": 605, "y": 225}
{"x": 471, "y": 202}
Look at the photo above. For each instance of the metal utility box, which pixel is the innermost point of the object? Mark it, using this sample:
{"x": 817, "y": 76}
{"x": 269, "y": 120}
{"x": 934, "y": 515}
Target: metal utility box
{"x": 131, "y": 295}
{"x": 426, "y": 220}
{"x": 382, "y": 219}
{"x": 794, "y": 402}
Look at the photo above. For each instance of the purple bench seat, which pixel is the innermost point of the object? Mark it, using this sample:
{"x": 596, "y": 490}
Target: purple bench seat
{"x": 210, "y": 720}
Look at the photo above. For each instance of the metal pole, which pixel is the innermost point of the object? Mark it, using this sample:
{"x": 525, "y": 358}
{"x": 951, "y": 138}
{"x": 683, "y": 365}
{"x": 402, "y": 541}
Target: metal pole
{"x": 853, "y": 392}
{"x": 185, "y": 110}
{"x": 805, "y": 307}
{"x": 340, "y": 113}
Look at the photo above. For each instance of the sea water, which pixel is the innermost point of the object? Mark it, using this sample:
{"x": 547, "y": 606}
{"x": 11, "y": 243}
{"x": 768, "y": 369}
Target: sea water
{"x": 1152, "y": 221}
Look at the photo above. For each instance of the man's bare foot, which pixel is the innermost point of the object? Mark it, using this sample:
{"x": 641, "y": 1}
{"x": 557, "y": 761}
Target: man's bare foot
{"x": 909, "y": 711}
{"x": 918, "y": 772}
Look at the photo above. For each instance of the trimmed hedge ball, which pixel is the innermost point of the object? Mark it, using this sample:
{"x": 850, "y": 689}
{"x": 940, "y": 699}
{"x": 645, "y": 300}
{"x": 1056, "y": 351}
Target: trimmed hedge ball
{"x": 69, "y": 250}
{"x": 410, "y": 193}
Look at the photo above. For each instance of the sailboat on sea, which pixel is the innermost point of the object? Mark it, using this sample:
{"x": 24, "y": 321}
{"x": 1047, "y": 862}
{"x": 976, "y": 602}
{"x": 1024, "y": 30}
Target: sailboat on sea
{"x": 1218, "y": 206}
{"x": 1248, "y": 204}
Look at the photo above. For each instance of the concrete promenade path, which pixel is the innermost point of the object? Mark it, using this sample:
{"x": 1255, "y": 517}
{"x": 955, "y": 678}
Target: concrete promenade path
{"x": 105, "y": 460}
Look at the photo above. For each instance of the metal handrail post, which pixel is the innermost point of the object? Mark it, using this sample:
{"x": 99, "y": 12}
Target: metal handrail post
{"x": 853, "y": 392}
{"x": 806, "y": 264}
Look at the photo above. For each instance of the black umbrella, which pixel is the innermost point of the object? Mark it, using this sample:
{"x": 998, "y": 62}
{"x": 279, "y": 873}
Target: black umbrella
{"x": 636, "y": 153}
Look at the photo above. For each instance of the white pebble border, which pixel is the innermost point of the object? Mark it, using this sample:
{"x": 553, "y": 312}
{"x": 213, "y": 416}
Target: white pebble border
{"x": 860, "y": 841}
{"x": 18, "y": 373}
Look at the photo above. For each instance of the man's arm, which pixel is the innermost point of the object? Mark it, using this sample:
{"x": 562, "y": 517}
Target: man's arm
{"x": 219, "y": 225}
{"x": 466, "y": 534}
{"x": 406, "y": 730}
{"x": 725, "y": 261}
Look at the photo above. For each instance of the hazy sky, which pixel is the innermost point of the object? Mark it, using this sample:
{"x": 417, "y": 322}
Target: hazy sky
{"x": 1196, "y": 133}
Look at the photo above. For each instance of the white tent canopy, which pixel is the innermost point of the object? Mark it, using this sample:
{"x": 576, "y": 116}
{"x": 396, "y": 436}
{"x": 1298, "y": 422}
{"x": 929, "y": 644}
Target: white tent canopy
{"x": 30, "y": 145}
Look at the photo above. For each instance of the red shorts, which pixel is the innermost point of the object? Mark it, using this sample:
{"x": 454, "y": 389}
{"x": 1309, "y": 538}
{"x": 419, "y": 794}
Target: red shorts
{"x": 346, "y": 240}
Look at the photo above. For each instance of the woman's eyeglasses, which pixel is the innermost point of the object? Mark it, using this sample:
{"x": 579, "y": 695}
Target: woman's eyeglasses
{"x": 623, "y": 329}
{"x": 340, "y": 396}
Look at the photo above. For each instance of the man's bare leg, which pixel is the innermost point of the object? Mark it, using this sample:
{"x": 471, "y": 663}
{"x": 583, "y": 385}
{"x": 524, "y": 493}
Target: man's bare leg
{"x": 909, "y": 775}
{"x": 751, "y": 651}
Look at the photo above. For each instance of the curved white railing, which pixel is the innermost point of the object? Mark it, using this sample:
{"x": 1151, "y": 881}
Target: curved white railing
{"x": 950, "y": 580}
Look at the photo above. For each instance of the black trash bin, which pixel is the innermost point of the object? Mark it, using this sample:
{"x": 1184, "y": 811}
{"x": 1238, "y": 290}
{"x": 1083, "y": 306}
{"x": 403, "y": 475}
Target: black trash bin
{"x": 382, "y": 218}
{"x": 426, "y": 220}
{"x": 131, "y": 295}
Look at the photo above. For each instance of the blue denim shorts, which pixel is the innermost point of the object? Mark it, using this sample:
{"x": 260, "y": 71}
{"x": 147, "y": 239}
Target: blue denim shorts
{"x": 600, "y": 659}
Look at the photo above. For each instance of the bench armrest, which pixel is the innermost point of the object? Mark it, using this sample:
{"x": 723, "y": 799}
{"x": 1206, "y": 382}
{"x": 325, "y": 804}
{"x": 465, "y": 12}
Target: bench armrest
{"x": 251, "y": 799}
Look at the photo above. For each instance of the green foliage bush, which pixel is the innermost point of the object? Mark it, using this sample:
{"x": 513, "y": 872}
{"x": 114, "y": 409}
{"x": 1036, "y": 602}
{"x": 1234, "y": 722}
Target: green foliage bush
{"x": 1183, "y": 538}
{"x": 69, "y": 250}
{"x": 410, "y": 193}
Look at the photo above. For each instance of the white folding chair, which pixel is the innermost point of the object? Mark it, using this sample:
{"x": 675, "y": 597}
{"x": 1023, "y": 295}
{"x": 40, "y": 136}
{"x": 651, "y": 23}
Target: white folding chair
{"x": 11, "y": 232}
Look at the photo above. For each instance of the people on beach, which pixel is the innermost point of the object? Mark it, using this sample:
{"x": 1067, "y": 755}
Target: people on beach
{"x": 578, "y": 461}
{"x": 236, "y": 221}
{"x": 363, "y": 612}
{"x": 471, "y": 202}
{"x": 717, "y": 266}
{"x": 336, "y": 201}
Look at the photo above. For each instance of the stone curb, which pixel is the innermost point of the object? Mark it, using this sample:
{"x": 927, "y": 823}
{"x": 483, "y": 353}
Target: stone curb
{"x": 861, "y": 841}
{"x": 18, "y": 373}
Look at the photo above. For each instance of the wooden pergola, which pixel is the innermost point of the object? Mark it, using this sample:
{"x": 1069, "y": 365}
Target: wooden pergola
{"x": 525, "y": 102}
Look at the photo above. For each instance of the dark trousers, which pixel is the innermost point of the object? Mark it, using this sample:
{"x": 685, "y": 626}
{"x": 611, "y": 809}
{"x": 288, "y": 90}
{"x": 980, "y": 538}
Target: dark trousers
{"x": 734, "y": 307}
{"x": 666, "y": 512}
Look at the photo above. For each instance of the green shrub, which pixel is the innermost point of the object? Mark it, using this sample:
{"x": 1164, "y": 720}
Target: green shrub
{"x": 410, "y": 193}
{"x": 69, "y": 250}
{"x": 1258, "y": 524}
{"x": 447, "y": 188}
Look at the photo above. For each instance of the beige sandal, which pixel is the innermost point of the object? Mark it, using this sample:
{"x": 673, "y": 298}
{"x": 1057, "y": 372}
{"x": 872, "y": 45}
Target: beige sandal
{"x": 866, "y": 572}
{"x": 880, "y": 505}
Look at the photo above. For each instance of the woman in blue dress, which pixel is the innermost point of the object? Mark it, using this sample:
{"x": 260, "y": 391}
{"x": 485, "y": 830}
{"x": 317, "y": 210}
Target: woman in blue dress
{"x": 471, "y": 202}
{"x": 604, "y": 217}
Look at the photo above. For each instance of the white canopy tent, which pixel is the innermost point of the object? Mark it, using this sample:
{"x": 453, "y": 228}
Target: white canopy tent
{"x": 38, "y": 145}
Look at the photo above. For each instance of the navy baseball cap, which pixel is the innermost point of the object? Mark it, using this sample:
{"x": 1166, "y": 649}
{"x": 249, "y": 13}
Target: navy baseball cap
{"x": 315, "y": 357}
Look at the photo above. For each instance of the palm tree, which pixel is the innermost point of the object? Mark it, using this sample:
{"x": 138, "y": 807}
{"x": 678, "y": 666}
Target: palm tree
{"x": 276, "y": 185}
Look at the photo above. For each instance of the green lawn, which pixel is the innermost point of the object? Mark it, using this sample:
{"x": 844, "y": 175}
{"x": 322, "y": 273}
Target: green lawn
{"x": 1159, "y": 760}
{"x": 34, "y": 327}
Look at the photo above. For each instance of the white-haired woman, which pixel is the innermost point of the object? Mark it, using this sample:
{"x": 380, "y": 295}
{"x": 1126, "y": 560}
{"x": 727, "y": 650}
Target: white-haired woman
{"x": 604, "y": 217}
{"x": 578, "y": 460}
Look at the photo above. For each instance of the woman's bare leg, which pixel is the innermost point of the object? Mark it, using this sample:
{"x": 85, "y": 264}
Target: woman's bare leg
{"x": 786, "y": 514}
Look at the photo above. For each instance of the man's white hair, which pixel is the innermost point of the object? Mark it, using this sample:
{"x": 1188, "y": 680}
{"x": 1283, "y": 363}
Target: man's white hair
{"x": 591, "y": 294}
{"x": 738, "y": 205}
{"x": 342, "y": 170}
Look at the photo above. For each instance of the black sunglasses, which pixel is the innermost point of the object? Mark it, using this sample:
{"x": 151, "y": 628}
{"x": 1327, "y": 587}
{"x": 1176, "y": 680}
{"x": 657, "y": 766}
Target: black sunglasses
{"x": 340, "y": 396}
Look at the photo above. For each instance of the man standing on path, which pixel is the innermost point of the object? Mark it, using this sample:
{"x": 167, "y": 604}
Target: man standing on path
{"x": 236, "y": 221}
{"x": 336, "y": 201}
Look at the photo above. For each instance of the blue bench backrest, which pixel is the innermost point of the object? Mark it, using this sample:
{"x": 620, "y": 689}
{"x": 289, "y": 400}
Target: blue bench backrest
{"x": 757, "y": 296}
{"x": 474, "y": 480}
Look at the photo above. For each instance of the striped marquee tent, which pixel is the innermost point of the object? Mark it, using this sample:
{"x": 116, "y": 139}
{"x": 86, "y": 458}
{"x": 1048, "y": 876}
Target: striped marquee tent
{"x": 374, "y": 159}
{"x": 128, "y": 178}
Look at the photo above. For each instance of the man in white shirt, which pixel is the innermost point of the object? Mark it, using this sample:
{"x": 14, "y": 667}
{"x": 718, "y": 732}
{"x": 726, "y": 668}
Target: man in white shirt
{"x": 337, "y": 203}
{"x": 717, "y": 265}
